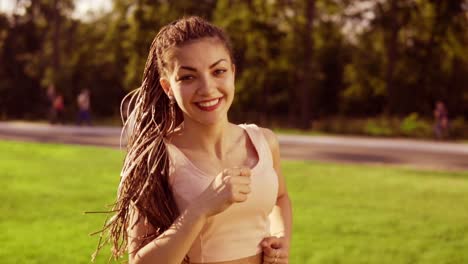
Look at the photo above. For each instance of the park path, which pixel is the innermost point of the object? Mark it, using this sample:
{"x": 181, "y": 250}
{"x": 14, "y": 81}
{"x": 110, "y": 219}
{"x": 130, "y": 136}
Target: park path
{"x": 338, "y": 149}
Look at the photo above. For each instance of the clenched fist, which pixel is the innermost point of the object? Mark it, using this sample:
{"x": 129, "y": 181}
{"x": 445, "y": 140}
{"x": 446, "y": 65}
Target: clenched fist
{"x": 228, "y": 187}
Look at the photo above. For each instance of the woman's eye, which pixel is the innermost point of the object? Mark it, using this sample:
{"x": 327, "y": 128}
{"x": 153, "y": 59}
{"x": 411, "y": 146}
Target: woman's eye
{"x": 219, "y": 71}
{"x": 185, "y": 78}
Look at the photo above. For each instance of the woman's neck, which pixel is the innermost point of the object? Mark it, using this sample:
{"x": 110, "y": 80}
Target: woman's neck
{"x": 215, "y": 139}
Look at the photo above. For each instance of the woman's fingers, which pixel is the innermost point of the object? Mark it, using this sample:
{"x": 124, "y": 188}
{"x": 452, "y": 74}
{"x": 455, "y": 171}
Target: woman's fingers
{"x": 244, "y": 172}
{"x": 276, "y": 256}
{"x": 272, "y": 253}
{"x": 237, "y": 180}
{"x": 236, "y": 177}
{"x": 237, "y": 171}
{"x": 230, "y": 186}
{"x": 271, "y": 242}
{"x": 244, "y": 189}
{"x": 240, "y": 193}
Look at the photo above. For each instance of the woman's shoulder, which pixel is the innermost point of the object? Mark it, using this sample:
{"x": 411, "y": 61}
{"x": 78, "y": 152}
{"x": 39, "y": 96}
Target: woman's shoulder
{"x": 269, "y": 135}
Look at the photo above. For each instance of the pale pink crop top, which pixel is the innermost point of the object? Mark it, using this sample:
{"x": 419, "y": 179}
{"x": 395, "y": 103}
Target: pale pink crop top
{"x": 237, "y": 232}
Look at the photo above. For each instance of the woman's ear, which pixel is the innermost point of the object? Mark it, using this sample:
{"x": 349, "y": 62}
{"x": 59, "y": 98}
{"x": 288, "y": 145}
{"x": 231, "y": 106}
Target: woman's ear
{"x": 234, "y": 70}
{"x": 165, "y": 84}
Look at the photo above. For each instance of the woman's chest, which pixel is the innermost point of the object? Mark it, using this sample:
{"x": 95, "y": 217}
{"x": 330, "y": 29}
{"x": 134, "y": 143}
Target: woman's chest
{"x": 212, "y": 166}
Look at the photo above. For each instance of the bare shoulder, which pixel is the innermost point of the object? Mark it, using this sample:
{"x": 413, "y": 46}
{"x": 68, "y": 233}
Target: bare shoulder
{"x": 271, "y": 138}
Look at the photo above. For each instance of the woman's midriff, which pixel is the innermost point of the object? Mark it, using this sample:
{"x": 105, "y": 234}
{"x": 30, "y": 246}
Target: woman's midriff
{"x": 257, "y": 259}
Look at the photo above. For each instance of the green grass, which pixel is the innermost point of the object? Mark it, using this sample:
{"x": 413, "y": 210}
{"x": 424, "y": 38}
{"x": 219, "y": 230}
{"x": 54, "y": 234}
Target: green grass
{"x": 45, "y": 190}
{"x": 358, "y": 214}
{"x": 342, "y": 214}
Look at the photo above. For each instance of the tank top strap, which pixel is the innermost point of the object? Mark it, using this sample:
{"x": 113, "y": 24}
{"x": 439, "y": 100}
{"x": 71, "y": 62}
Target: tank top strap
{"x": 175, "y": 159}
{"x": 260, "y": 143}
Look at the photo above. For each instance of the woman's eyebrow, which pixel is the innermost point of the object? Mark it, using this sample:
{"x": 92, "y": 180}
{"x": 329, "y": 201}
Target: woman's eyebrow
{"x": 214, "y": 64}
{"x": 188, "y": 68}
{"x": 211, "y": 66}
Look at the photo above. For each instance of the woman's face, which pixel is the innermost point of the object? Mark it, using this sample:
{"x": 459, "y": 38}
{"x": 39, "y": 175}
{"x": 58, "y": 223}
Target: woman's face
{"x": 201, "y": 80}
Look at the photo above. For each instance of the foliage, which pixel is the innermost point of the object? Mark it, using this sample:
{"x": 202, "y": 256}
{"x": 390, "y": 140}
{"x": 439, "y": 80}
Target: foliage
{"x": 380, "y": 127}
{"x": 458, "y": 128}
{"x": 412, "y": 125}
{"x": 363, "y": 58}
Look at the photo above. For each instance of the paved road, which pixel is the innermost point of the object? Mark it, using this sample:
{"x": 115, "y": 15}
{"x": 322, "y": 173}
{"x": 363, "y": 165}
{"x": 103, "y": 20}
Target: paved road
{"x": 414, "y": 153}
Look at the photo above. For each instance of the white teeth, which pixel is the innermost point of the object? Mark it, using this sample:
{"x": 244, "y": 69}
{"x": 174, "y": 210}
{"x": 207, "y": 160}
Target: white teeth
{"x": 209, "y": 103}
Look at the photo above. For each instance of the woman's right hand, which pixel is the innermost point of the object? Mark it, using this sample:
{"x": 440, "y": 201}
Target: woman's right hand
{"x": 228, "y": 187}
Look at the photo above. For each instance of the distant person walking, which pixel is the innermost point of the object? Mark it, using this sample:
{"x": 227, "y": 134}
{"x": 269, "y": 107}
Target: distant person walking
{"x": 441, "y": 120}
{"x": 83, "y": 101}
{"x": 58, "y": 110}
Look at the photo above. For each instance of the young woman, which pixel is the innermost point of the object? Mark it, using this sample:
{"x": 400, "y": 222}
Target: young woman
{"x": 196, "y": 188}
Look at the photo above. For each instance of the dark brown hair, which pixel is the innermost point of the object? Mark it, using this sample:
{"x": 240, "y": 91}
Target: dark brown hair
{"x": 144, "y": 184}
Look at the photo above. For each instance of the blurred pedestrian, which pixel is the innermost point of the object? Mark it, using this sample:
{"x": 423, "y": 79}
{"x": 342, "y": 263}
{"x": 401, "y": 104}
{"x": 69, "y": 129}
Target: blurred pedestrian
{"x": 83, "y": 101}
{"x": 441, "y": 120}
{"x": 58, "y": 110}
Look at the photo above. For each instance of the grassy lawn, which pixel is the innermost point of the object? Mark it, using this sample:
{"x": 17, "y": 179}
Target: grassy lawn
{"x": 343, "y": 214}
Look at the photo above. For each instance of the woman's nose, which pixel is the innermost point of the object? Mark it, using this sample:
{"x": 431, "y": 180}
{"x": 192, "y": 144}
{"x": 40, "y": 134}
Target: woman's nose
{"x": 207, "y": 86}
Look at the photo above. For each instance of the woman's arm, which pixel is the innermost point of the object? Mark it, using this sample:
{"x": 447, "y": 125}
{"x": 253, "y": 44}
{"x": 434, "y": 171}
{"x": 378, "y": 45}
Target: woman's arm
{"x": 281, "y": 216}
{"x": 169, "y": 247}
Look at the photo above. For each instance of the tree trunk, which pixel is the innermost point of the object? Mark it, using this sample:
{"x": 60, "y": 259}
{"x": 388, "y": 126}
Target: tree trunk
{"x": 428, "y": 60}
{"x": 392, "y": 56}
{"x": 56, "y": 41}
{"x": 308, "y": 43}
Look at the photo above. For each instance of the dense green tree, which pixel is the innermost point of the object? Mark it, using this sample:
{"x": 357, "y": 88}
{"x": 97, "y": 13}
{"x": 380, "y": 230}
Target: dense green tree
{"x": 260, "y": 71}
{"x": 301, "y": 59}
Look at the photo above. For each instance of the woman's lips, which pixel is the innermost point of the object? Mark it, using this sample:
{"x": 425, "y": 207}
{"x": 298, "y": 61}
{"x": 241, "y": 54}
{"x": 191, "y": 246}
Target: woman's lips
{"x": 209, "y": 105}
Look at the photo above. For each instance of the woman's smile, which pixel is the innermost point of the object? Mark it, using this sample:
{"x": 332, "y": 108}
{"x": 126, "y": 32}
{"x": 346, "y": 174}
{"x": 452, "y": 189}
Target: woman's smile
{"x": 209, "y": 105}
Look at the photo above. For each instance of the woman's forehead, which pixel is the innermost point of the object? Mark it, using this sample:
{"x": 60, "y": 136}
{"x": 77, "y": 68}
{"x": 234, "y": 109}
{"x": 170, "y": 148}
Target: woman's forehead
{"x": 198, "y": 54}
